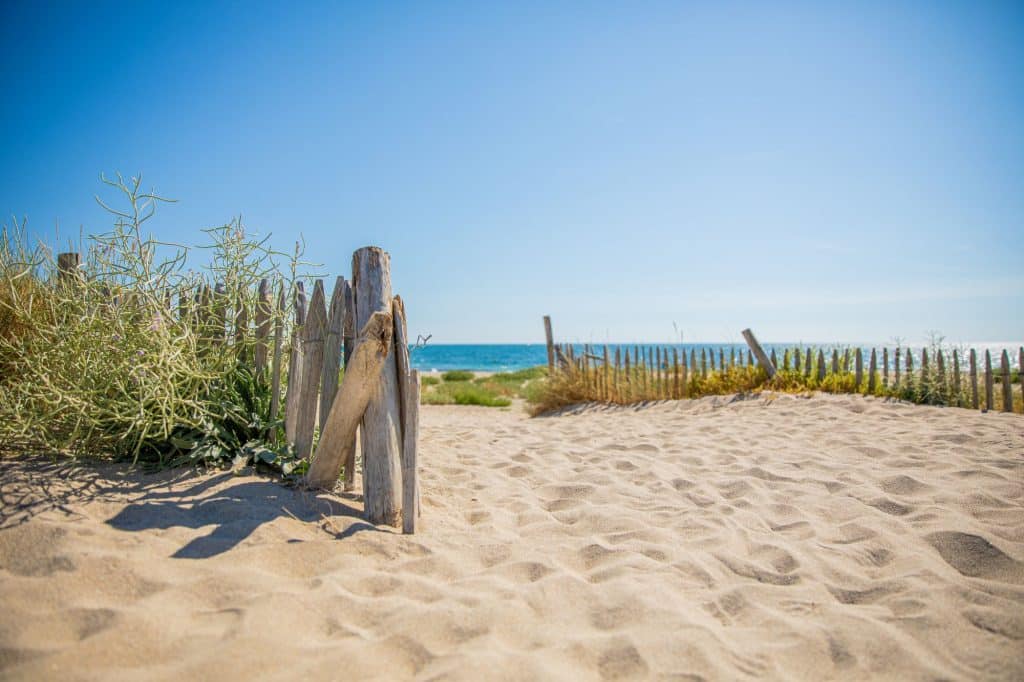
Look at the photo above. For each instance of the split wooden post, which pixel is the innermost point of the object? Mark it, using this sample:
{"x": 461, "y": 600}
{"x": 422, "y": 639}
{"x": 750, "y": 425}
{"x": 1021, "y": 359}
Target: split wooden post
{"x": 295, "y": 364}
{"x": 381, "y": 438}
{"x": 410, "y": 436}
{"x": 1007, "y": 386}
{"x": 370, "y": 352}
{"x": 550, "y": 337}
{"x": 275, "y": 369}
{"x": 989, "y": 397}
{"x": 974, "y": 379}
{"x": 332, "y": 350}
{"x": 759, "y": 353}
{"x": 312, "y": 339}
{"x": 263, "y": 321}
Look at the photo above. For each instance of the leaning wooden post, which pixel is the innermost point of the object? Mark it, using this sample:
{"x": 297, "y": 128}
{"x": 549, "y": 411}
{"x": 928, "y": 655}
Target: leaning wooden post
{"x": 1007, "y": 386}
{"x": 411, "y": 430}
{"x": 759, "y": 353}
{"x": 295, "y": 364}
{"x": 263, "y": 322}
{"x": 332, "y": 350}
{"x": 381, "y": 426}
{"x": 550, "y": 337}
{"x": 974, "y": 379}
{"x": 275, "y": 369}
{"x": 989, "y": 397}
{"x": 371, "y": 350}
{"x": 312, "y": 369}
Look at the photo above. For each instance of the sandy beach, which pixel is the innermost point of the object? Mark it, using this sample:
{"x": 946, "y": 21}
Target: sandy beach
{"x": 834, "y": 537}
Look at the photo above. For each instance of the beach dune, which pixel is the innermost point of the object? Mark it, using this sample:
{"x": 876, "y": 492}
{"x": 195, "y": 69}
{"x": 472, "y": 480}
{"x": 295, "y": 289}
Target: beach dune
{"x": 834, "y": 537}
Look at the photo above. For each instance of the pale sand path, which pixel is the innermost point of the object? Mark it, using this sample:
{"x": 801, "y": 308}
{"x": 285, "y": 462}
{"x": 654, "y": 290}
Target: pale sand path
{"x": 825, "y": 538}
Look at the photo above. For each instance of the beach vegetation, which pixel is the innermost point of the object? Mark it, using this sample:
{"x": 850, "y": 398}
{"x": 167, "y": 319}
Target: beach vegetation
{"x": 457, "y": 375}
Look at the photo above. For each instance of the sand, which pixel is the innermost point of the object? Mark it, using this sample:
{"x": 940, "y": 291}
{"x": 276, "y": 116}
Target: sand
{"x": 769, "y": 538}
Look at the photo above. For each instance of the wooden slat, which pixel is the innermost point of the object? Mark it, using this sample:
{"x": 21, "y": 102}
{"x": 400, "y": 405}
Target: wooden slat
{"x": 974, "y": 379}
{"x": 1007, "y": 386}
{"x": 332, "y": 350}
{"x": 989, "y": 397}
{"x": 275, "y": 369}
{"x": 263, "y": 324}
{"x": 410, "y": 436}
{"x": 312, "y": 339}
{"x": 295, "y": 364}
{"x": 872, "y": 369}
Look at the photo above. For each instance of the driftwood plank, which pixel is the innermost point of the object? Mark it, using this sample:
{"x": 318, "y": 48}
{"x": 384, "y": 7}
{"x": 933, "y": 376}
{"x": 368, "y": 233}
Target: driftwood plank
{"x": 370, "y": 352}
{"x": 295, "y": 364}
{"x": 755, "y": 347}
{"x": 410, "y": 436}
{"x": 380, "y": 435}
{"x": 312, "y": 339}
{"x": 332, "y": 350}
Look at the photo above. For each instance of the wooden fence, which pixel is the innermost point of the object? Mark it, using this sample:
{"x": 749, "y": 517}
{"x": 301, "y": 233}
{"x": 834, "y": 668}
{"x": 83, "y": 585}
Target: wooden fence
{"x": 635, "y": 372}
{"x": 362, "y": 328}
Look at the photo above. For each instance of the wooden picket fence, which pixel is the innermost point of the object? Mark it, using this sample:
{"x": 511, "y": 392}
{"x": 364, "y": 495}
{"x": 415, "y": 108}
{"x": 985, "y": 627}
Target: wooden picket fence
{"x": 635, "y": 372}
{"x": 362, "y": 329}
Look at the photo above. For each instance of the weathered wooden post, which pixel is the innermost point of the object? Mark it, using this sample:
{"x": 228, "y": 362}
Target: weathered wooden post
{"x": 989, "y": 397}
{"x": 1007, "y": 386}
{"x": 974, "y": 379}
{"x": 275, "y": 369}
{"x": 312, "y": 339}
{"x": 295, "y": 364}
{"x": 872, "y": 369}
{"x": 67, "y": 267}
{"x": 956, "y": 377}
{"x": 807, "y": 364}
{"x": 550, "y": 337}
{"x": 896, "y": 367}
{"x": 885, "y": 368}
{"x": 821, "y": 365}
{"x": 858, "y": 370}
{"x": 762, "y": 358}
{"x": 263, "y": 321}
{"x": 332, "y": 349}
{"x": 371, "y": 350}
{"x": 381, "y": 437}
{"x": 835, "y": 361}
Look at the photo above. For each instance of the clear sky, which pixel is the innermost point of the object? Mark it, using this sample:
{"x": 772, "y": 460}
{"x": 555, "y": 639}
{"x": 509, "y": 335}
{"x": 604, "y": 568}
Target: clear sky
{"x": 817, "y": 171}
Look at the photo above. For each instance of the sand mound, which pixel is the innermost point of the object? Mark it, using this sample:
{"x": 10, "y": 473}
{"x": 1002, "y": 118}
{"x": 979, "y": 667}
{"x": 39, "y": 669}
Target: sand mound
{"x": 834, "y": 537}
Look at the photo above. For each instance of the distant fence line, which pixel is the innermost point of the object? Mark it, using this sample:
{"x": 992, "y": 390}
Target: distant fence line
{"x": 363, "y": 330}
{"x": 638, "y": 372}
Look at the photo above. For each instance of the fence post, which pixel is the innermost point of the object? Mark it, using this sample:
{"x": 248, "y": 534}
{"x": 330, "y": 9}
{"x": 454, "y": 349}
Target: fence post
{"x": 411, "y": 430}
{"x": 956, "y": 377}
{"x": 974, "y": 379}
{"x": 550, "y": 337}
{"x": 989, "y": 397}
{"x": 821, "y": 366}
{"x": 332, "y": 350}
{"x": 275, "y": 369}
{"x": 1007, "y": 386}
{"x": 67, "y": 266}
{"x": 885, "y": 368}
{"x": 291, "y": 398}
{"x": 381, "y": 425}
{"x": 872, "y": 369}
{"x": 262, "y": 326}
{"x": 312, "y": 369}
{"x": 858, "y": 375}
{"x": 755, "y": 347}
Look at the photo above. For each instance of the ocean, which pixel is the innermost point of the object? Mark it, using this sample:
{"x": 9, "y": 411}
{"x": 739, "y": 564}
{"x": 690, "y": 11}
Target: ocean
{"x": 510, "y": 357}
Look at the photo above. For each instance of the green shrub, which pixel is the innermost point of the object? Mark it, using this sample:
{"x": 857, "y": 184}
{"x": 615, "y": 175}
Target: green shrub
{"x": 429, "y": 380}
{"x": 463, "y": 393}
{"x": 457, "y": 375}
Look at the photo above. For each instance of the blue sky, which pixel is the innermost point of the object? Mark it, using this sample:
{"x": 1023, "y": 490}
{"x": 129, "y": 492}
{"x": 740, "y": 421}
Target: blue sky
{"x": 816, "y": 171}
